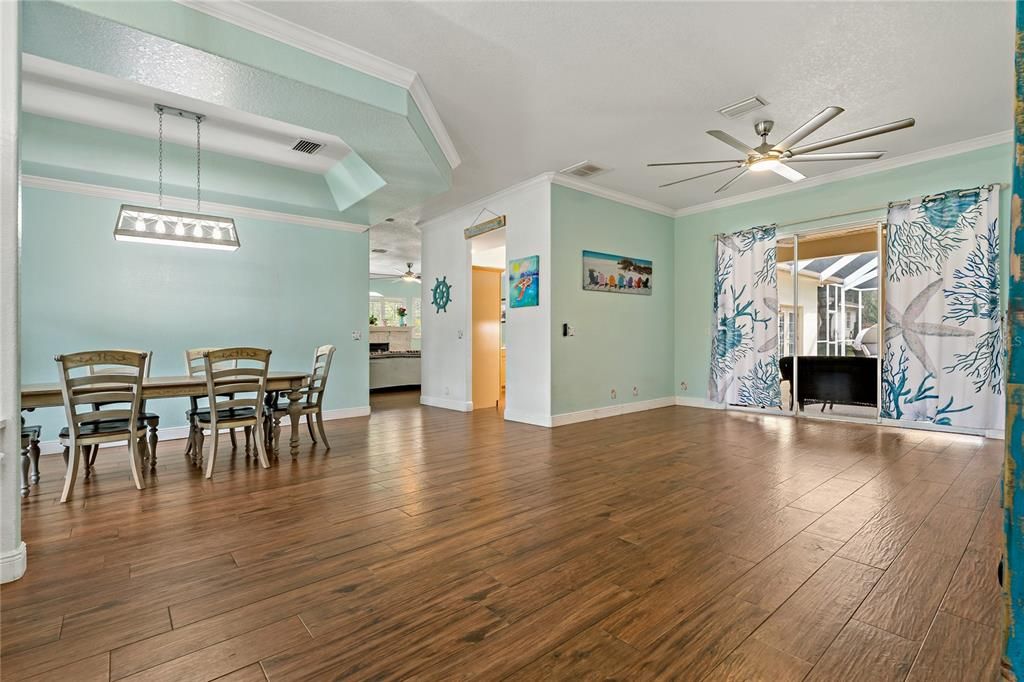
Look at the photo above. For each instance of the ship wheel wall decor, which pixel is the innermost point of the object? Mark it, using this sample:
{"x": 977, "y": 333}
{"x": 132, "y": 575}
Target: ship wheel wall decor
{"x": 442, "y": 294}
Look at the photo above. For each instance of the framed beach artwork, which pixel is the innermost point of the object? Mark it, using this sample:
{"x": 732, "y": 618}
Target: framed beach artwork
{"x": 524, "y": 282}
{"x": 617, "y": 274}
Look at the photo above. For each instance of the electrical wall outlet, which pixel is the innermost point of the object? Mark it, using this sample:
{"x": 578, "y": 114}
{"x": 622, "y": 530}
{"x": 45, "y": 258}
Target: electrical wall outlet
{"x": 682, "y": 385}
{"x": 460, "y": 333}
{"x": 614, "y": 394}
{"x": 357, "y": 335}
{"x": 636, "y": 391}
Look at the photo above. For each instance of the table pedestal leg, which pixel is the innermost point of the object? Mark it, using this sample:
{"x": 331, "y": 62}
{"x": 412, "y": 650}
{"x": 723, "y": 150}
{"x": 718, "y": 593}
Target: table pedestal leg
{"x": 152, "y": 424}
{"x": 294, "y": 413}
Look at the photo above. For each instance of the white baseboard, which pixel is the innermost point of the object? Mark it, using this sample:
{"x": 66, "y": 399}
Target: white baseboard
{"x": 13, "y": 563}
{"x": 524, "y": 418}
{"x": 52, "y": 447}
{"x": 447, "y": 403}
{"x": 686, "y": 401}
{"x": 994, "y": 434}
{"x": 610, "y": 411}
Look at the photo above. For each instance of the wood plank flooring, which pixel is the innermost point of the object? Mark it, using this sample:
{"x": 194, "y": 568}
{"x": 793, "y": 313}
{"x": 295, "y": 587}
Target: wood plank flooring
{"x": 671, "y": 544}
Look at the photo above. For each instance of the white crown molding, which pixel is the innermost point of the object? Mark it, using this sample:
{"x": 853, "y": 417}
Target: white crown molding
{"x": 857, "y": 171}
{"x": 418, "y": 92}
{"x": 177, "y": 203}
{"x": 611, "y": 194}
{"x": 476, "y": 204}
{"x": 556, "y": 179}
{"x": 284, "y": 31}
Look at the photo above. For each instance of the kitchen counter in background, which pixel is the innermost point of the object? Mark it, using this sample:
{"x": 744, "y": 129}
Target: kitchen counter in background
{"x": 394, "y": 368}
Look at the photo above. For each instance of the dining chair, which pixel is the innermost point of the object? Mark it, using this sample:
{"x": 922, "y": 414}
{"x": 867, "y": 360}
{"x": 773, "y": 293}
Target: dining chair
{"x": 313, "y": 401}
{"x": 230, "y": 373}
{"x": 118, "y": 395}
{"x": 152, "y": 419}
{"x": 195, "y": 367}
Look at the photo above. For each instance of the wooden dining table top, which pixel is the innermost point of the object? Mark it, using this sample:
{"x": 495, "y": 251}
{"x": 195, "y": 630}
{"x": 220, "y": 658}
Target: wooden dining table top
{"x": 184, "y": 386}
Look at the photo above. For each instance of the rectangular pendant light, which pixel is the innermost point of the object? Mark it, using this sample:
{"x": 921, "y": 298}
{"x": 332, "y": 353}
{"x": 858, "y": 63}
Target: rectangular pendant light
{"x": 175, "y": 228}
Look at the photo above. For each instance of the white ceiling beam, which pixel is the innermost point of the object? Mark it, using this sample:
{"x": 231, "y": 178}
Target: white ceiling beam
{"x": 858, "y": 275}
{"x": 835, "y": 267}
{"x": 849, "y": 284}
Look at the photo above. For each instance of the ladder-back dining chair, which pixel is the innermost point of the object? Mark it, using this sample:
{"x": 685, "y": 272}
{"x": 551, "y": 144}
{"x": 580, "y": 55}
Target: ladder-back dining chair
{"x": 312, "y": 404}
{"x": 152, "y": 419}
{"x": 194, "y": 365}
{"x": 236, "y": 381}
{"x": 102, "y": 407}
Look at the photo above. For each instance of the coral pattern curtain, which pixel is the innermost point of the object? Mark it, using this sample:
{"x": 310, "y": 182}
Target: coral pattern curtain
{"x": 943, "y": 359}
{"x": 744, "y": 348}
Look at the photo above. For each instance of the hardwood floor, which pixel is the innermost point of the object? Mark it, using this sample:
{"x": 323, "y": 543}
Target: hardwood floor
{"x": 677, "y": 544}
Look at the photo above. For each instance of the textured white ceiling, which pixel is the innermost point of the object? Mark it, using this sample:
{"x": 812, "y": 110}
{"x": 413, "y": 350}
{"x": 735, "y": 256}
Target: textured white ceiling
{"x": 528, "y": 87}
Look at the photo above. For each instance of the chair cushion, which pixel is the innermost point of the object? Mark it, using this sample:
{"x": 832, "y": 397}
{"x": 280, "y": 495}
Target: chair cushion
{"x": 225, "y": 415}
{"x": 103, "y": 427}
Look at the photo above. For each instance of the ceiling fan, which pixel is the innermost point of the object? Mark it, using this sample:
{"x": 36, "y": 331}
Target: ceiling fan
{"x": 409, "y": 275}
{"x": 777, "y": 157}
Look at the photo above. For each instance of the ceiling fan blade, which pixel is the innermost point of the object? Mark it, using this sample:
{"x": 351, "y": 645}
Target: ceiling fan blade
{"x": 791, "y": 174}
{"x": 694, "y": 163}
{"x": 730, "y": 140}
{"x": 720, "y": 170}
{"x": 820, "y": 119}
{"x": 726, "y": 185}
{"x": 836, "y": 156}
{"x": 851, "y": 137}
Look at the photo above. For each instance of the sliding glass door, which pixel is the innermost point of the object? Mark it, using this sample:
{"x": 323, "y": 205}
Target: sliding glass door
{"x": 837, "y": 294}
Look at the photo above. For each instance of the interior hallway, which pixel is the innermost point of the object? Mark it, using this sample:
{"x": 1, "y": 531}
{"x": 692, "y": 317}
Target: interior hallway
{"x": 679, "y": 543}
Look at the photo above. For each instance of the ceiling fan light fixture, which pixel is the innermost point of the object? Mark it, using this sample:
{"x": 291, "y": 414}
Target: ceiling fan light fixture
{"x": 761, "y": 165}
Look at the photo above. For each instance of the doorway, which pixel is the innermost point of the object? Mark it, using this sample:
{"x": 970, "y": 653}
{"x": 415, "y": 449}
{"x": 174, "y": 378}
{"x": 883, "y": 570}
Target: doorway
{"x": 830, "y": 303}
{"x": 488, "y": 320}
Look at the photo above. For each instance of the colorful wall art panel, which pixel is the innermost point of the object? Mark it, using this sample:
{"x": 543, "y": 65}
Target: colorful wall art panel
{"x": 618, "y": 274}
{"x": 524, "y": 282}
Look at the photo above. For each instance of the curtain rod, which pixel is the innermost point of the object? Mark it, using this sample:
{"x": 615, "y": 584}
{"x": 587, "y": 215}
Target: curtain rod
{"x": 1001, "y": 185}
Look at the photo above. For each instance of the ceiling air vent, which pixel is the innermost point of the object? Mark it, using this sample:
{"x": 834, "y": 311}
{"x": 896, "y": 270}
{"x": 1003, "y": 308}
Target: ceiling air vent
{"x": 743, "y": 107}
{"x": 584, "y": 169}
{"x": 307, "y": 146}
{"x": 378, "y": 250}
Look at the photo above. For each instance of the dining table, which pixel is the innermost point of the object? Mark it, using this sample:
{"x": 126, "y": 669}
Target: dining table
{"x": 155, "y": 388}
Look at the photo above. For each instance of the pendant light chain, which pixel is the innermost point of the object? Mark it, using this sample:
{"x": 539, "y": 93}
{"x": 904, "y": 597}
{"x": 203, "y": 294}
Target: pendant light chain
{"x": 199, "y": 120}
{"x": 160, "y": 159}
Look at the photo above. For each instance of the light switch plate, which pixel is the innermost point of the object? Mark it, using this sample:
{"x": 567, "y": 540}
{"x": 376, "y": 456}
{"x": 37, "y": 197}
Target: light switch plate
{"x": 357, "y": 335}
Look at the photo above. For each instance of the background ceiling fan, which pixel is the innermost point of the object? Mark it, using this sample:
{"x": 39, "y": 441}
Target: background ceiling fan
{"x": 777, "y": 157}
{"x": 407, "y": 276}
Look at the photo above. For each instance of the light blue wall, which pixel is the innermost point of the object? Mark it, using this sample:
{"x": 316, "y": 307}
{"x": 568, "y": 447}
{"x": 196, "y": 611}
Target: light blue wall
{"x": 410, "y": 291}
{"x": 621, "y": 340}
{"x": 288, "y": 288}
{"x": 694, "y": 246}
{"x": 80, "y": 153}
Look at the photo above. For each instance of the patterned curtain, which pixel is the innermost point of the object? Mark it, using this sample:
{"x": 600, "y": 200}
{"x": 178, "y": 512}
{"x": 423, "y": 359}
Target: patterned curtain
{"x": 744, "y": 349}
{"x": 943, "y": 360}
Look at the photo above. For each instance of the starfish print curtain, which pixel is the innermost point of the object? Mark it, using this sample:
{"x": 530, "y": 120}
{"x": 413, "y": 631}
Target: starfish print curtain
{"x": 943, "y": 359}
{"x": 744, "y": 348}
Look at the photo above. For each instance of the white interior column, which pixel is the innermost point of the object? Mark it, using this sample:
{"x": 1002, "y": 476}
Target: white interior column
{"x": 12, "y": 549}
